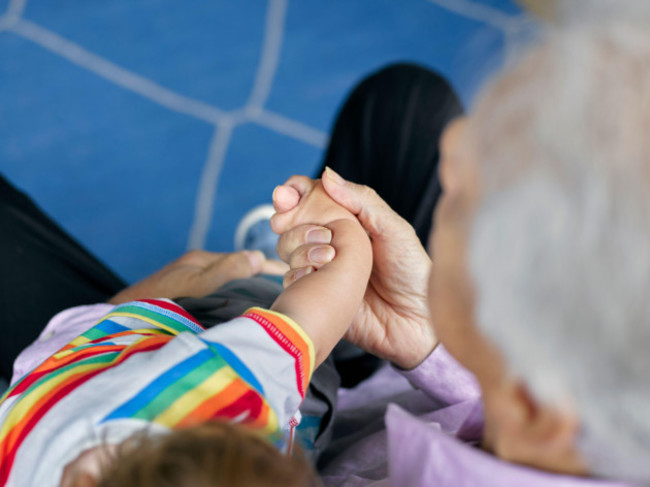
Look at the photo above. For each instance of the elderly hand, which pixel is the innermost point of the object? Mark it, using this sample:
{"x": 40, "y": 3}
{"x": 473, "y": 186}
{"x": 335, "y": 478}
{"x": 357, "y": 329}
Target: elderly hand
{"x": 393, "y": 321}
{"x": 199, "y": 273}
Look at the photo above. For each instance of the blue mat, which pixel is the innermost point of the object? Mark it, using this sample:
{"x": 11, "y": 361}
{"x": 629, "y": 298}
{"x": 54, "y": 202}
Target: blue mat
{"x": 150, "y": 127}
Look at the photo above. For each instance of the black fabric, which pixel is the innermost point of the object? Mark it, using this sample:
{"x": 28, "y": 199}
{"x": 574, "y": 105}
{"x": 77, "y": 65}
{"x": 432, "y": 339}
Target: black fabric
{"x": 232, "y": 299}
{"x": 42, "y": 271}
{"x": 386, "y": 136}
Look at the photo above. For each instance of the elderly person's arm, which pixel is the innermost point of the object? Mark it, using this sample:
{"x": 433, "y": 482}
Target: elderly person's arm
{"x": 199, "y": 273}
{"x": 393, "y": 321}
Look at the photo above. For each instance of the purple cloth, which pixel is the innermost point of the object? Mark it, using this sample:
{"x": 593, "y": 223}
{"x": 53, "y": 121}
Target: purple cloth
{"x": 419, "y": 428}
{"x": 60, "y": 330}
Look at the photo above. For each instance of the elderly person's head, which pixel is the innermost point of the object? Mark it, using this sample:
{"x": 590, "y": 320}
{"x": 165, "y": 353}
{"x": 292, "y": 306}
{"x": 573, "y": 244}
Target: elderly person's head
{"x": 541, "y": 247}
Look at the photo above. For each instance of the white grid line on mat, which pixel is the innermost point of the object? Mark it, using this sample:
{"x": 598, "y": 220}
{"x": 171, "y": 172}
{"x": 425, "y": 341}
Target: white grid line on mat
{"x": 224, "y": 122}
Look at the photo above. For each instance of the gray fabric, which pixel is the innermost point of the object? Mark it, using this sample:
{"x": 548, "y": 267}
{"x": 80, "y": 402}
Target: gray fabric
{"x": 232, "y": 300}
{"x": 318, "y": 410}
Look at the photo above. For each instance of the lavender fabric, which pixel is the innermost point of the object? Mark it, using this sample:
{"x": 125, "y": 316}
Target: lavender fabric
{"x": 60, "y": 330}
{"x": 420, "y": 428}
{"x": 422, "y": 453}
{"x": 443, "y": 378}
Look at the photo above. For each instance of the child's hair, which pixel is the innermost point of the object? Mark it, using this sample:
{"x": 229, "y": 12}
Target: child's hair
{"x": 215, "y": 454}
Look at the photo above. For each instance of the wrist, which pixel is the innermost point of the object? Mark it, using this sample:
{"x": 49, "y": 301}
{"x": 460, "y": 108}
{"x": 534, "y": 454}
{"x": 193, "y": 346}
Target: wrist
{"x": 411, "y": 359}
{"x": 120, "y": 298}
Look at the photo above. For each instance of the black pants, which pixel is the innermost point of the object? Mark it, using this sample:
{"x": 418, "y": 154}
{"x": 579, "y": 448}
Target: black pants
{"x": 43, "y": 271}
{"x": 386, "y": 136}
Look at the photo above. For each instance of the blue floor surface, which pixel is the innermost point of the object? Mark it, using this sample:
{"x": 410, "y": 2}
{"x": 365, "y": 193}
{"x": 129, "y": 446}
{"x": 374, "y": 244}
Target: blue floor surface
{"x": 148, "y": 127}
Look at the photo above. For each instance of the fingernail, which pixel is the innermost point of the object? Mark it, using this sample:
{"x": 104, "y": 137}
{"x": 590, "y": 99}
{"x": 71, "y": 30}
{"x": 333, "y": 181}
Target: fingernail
{"x": 255, "y": 258}
{"x": 319, "y": 235}
{"x": 302, "y": 272}
{"x": 321, "y": 255}
{"x": 333, "y": 176}
{"x": 273, "y": 195}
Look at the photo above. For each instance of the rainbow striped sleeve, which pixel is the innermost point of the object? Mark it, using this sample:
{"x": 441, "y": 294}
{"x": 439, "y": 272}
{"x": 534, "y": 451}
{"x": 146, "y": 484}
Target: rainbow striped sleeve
{"x": 271, "y": 353}
{"x": 254, "y": 369}
{"x": 291, "y": 337}
{"x": 150, "y": 362}
{"x": 28, "y": 408}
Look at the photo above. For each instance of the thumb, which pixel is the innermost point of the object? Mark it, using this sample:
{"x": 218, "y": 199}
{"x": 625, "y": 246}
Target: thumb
{"x": 285, "y": 198}
{"x": 374, "y": 214}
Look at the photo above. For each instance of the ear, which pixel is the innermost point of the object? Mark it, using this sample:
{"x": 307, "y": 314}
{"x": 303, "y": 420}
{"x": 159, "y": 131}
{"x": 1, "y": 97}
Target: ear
{"x": 533, "y": 433}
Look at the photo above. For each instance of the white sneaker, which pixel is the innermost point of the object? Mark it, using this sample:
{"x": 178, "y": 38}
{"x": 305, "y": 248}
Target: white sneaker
{"x": 254, "y": 232}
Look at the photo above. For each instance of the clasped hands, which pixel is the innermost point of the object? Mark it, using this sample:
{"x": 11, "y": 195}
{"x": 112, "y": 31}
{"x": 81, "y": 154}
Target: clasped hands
{"x": 393, "y": 321}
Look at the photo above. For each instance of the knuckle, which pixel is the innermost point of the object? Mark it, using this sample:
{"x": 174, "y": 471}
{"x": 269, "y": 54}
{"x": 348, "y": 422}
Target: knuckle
{"x": 302, "y": 179}
{"x": 368, "y": 193}
{"x": 297, "y": 180}
{"x": 280, "y": 222}
{"x": 284, "y": 246}
{"x": 237, "y": 258}
{"x": 299, "y": 257}
{"x": 275, "y": 222}
{"x": 230, "y": 263}
{"x": 292, "y": 238}
{"x": 292, "y": 179}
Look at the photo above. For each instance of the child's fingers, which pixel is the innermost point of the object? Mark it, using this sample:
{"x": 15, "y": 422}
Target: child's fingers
{"x": 296, "y": 274}
{"x": 285, "y": 198}
{"x": 314, "y": 255}
{"x": 302, "y": 184}
{"x": 281, "y": 222}
{"x": 290, "y": 240}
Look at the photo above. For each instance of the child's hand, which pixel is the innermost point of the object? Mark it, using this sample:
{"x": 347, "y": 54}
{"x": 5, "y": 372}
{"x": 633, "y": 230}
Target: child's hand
{"x": 309, "y": 203}
{"x": 324, "y": 303}
{"x": 393, "y": 321}
{"x": 303, "y": 201}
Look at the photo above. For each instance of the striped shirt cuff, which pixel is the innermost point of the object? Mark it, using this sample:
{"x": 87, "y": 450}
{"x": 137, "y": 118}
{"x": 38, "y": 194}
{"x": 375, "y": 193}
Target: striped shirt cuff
{"x": 291, "y": 337}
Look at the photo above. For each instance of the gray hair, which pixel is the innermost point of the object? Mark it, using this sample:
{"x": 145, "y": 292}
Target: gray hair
{"x": 575, "y": 11}
{"x": 560, "y": 247}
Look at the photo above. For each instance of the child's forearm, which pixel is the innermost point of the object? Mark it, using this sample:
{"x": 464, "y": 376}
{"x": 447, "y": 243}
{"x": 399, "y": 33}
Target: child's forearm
{"x": 325, "y": 302}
